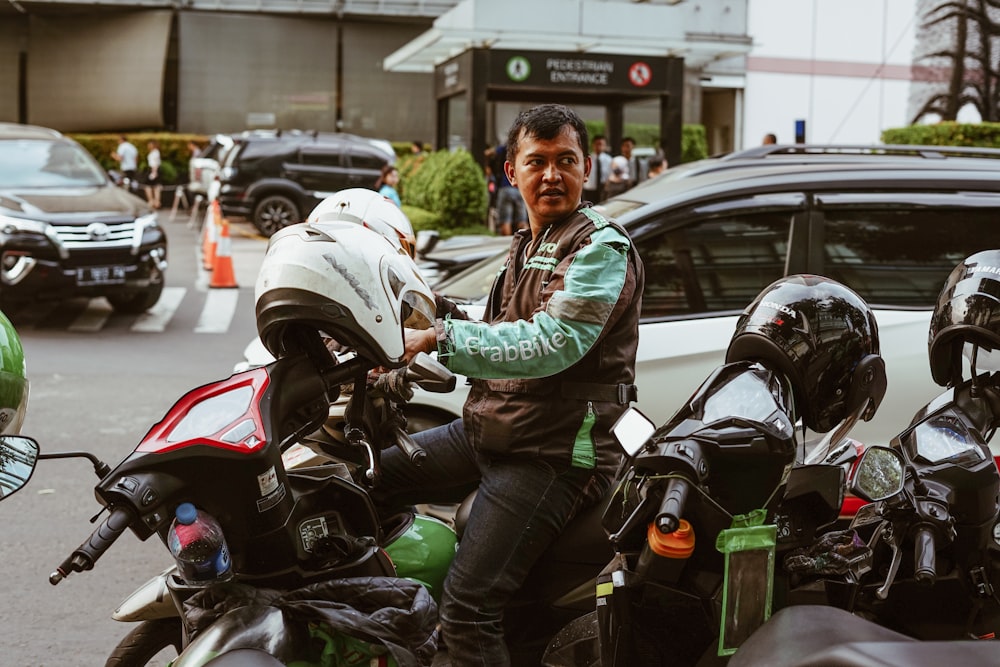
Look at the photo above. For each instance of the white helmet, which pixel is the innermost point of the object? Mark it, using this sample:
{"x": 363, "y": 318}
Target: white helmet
{"x": 360, "y": 206}
{"x": 346, "y": 281}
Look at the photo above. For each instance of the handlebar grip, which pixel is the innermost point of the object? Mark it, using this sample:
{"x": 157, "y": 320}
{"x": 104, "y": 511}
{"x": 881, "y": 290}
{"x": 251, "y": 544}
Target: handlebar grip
{"x": 84, "y": 557}
{"x": 924, "y": 556}
{"x": 672, "y": 506}
{"x": 410, "y": 448}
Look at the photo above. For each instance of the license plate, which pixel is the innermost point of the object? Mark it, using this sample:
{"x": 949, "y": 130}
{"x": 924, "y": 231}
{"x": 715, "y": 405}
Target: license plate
{"x": 100, "y": 275}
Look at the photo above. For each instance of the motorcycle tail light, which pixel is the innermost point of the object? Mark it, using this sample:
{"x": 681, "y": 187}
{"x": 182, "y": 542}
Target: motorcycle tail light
{"x": 223, "y": 414}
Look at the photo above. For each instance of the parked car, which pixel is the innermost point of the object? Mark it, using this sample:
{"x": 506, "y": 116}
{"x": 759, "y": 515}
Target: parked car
{"x": 275, "y": 178}
{"x": 439, "y": 259}
{"x": 203, "y": 168}
{"x": 67, "y": 230}
{"x": 890, "y": 222}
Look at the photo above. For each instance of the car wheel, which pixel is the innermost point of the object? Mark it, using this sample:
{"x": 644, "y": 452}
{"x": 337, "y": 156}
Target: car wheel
{"x": 135, "y": 303}
{"x": 275, "y": 212}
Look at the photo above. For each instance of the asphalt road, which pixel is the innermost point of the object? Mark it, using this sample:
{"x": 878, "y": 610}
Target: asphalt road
{"x": 99, "y": 389}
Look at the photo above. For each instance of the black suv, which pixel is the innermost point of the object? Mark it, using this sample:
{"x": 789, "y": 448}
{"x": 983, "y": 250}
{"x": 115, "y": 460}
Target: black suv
{"x": 276, "y": 178}
{"x": 66, "y": 230}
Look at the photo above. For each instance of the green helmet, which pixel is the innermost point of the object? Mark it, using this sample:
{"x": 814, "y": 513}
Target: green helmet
{"x": 13, "y": 379}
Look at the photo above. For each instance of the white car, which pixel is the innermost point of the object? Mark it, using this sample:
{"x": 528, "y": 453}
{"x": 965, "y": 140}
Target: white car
{"x": 712, "y": 235}
{"x": 203, "y": 168}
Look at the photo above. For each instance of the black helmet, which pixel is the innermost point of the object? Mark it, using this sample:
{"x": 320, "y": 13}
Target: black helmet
{"x": 824, "y": 338}
{"x": 967, "y": 311}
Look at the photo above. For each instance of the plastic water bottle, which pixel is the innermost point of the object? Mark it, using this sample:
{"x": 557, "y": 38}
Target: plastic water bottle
{"x": 198, "y": 545}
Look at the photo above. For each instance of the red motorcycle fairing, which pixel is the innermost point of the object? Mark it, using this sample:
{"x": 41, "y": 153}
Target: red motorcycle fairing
{"x": 223, "y": 414}
{"x": 219, "y": 447}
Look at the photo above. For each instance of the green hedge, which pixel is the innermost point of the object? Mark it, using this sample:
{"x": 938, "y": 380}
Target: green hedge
{"x": 450, "y": 186}
{"x": 174, "y": 151}
{"x": 948, "y": 133}
{"x": 694, "y": 144}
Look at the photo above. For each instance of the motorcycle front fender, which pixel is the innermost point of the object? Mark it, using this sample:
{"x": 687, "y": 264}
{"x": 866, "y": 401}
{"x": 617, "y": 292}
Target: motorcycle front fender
{"x": 149, "y": 602}
{"x": 260, "y": 628}
{"x": 576, "y": 645}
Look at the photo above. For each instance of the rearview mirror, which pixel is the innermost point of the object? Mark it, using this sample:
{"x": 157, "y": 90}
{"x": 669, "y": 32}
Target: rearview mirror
{"x": 18, "y": 455}
{"x": 879, "y": 474}
{"x": 632, "y": 430}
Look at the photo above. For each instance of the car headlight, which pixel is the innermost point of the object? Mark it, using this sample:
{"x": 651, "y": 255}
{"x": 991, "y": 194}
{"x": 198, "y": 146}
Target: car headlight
{"x": 146, "y": 222}
{"x": 11, "y": 225}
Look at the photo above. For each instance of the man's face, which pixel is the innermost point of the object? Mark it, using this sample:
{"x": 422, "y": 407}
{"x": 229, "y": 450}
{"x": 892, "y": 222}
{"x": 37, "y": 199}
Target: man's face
{"x": 627, "y": 147}
{"x": 600, "y": 146}
{"x": 550, "y": 175}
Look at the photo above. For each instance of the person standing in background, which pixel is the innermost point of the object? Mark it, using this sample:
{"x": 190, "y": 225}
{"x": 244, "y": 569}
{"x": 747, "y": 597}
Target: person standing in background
{"x": 386, "y": 184}
{"x": 619, "y": 180}
{"x": 657, "y": 165}
{"x": 636, "y": 166}
{"x": 769, "y": 138}
{"x": 600, "y": 159}
{"x": 154, "y": 184}
{"x": 127, "y": 156}
{"x": 511, "y": 214}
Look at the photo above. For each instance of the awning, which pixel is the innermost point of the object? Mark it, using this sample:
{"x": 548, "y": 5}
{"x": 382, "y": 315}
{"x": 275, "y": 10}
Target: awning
{"x": 568, "y": 25}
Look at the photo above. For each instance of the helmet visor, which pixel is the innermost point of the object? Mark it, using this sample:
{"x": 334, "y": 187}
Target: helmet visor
{"x": 418, "y": 312}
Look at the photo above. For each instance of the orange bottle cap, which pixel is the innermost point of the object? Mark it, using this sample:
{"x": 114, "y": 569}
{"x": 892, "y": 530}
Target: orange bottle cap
{"x": 678, "y": 544}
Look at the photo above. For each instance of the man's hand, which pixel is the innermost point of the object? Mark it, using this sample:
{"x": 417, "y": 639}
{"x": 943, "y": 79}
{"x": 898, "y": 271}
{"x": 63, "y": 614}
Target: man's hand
{"x": 418, "y": 340}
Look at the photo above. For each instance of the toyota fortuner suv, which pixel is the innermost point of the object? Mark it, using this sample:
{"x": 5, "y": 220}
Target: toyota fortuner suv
{"x": 67, "y": 231}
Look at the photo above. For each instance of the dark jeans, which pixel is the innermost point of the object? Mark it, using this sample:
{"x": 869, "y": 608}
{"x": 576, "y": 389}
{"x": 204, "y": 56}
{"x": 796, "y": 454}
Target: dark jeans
{"x": 522, "y": 505}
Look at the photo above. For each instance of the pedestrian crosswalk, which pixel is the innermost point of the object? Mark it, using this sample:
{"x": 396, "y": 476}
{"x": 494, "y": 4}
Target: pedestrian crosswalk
{"x": 216, "y": 308}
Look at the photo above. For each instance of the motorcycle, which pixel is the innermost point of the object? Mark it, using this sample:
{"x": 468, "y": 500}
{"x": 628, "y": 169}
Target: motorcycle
{"x": 219, "y": 447}
{"x": 310, "y": 528}
{"x": 704, "y": 508}
{"x": 313, "y": 558}
{"x": 923, "y": 586}
{"x": 931, "y": 526}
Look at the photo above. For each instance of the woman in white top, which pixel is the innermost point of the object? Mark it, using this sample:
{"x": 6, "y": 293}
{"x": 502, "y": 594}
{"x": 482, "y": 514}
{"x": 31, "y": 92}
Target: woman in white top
{"x": 154, "y": 185}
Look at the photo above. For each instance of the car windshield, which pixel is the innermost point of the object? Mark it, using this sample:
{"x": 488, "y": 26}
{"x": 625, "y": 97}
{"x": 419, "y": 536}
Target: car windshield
{"x": 473, "y": 284}
{"x": 33, "y": 163}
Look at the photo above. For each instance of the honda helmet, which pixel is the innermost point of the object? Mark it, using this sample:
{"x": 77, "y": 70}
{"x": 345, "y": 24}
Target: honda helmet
{"x": 824, "y": 338}
{"x": 13, "y": 379}
{"x": 967, "y": 314}
{"x": 345, "y": 281}
{"x": 360, "y": 206}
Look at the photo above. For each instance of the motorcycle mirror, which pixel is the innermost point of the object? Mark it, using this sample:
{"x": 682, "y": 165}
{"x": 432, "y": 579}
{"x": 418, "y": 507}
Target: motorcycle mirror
{"x": 426, "y": 240}
{"x": 632, "y": 430}
{"x": 18, "y": 456}
{"x": 430, "y": 374}
{"x": 878, "y": 475}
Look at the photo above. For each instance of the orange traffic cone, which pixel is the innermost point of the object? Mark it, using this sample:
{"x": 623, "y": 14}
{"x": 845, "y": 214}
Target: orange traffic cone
{"x": 222, "y": 272}
{"x": 210, "y": 235}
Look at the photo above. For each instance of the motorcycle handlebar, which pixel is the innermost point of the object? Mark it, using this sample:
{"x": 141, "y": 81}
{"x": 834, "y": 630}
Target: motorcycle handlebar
{"x": 924, "y": 556}
{"x": 410, "y": 448}
{"x": 668, "y": 519}
{"x": 84, "y": 557}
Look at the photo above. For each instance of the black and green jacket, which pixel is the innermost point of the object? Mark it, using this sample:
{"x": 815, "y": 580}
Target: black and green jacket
{"x": 553, "y": 363}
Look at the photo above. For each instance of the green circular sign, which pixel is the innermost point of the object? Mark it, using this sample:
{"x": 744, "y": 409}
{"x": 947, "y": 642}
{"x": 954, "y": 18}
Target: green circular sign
{"x": 518, "y": 68}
